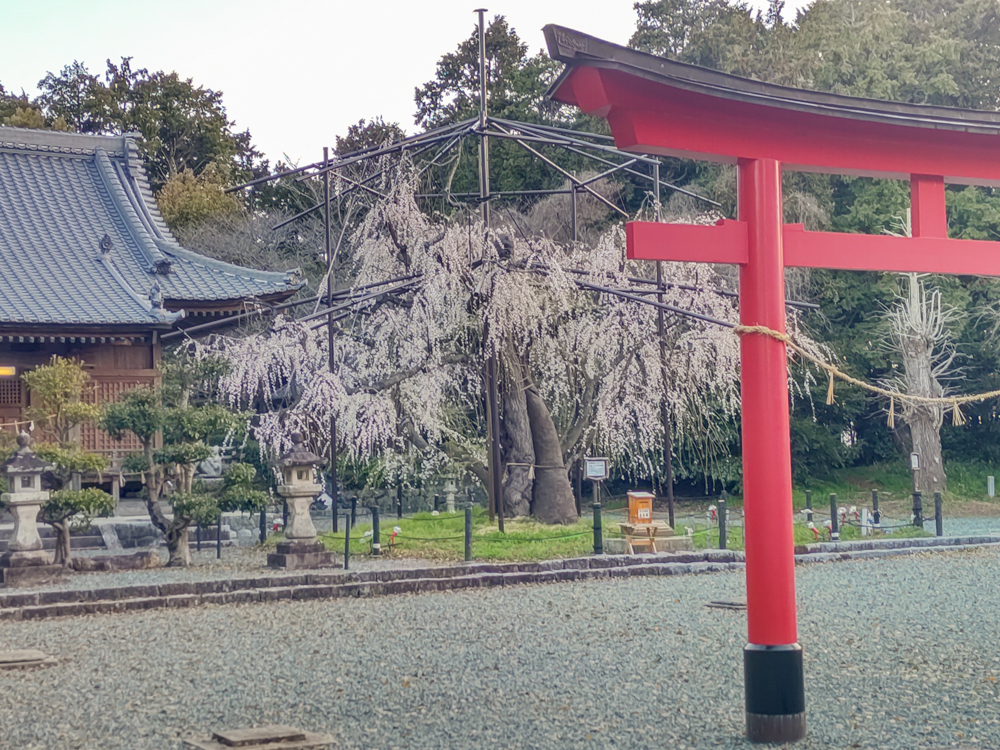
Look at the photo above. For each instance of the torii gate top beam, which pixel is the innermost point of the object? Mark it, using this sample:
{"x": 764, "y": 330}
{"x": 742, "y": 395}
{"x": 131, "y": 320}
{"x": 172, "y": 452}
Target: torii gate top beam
{"x": 661, "y": 106}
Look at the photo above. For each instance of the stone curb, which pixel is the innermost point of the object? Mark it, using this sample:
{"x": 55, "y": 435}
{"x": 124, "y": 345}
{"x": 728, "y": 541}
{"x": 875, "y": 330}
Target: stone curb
{"x": 331, "y": 585}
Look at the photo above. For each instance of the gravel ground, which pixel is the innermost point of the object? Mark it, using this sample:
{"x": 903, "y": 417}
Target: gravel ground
{"x": 899, "y": 654}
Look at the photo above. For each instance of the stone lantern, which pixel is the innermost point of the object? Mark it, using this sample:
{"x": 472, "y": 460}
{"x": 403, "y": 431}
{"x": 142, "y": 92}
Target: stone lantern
{"x": 26, "y": 562}
{"x": 299, "y": 488}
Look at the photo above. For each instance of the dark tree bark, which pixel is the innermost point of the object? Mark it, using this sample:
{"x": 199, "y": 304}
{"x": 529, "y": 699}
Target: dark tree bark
{"x": 516, "y": 442}
{"x": 62, "y": 551}
{"x": 553, "y": 497}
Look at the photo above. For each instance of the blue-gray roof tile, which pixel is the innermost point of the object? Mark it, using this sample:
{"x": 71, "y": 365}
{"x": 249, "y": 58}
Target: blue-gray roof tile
{"x": 61, "y": 195}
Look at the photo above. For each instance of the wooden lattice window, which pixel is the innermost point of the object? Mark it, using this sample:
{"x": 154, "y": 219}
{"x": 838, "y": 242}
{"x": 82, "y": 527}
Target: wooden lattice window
{"x": 11, "y": 392}
{"x": 103, "y": 392}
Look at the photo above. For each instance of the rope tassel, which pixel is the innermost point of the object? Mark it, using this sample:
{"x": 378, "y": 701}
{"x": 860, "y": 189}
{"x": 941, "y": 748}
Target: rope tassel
{"x": 892, "y": 413}
{"x": 830, "y": 400}
{"x": 957, "y": 418}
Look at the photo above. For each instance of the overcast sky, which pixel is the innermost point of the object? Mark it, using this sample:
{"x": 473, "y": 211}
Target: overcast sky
{"x": 295, "y": 72}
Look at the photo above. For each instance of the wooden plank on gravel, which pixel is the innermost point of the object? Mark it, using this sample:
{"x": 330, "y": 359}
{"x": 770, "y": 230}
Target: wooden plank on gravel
{"x": 25, "y": 658}
{"x": 275, "y": 737}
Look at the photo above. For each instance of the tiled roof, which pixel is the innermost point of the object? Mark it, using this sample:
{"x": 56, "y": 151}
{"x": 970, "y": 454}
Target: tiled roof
{"x": 82, "y": 241}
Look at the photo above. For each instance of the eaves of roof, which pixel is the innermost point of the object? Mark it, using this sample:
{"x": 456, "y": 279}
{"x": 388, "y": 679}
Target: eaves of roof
{"x": 577, "y": 49}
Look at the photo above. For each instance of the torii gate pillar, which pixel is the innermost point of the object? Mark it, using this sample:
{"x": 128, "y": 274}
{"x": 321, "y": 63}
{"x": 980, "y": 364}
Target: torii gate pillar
{"x": 772, "y": 661}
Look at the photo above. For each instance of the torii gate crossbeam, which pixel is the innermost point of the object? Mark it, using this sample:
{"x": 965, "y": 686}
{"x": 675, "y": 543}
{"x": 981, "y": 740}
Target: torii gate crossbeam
{"x": 660, "y": 106}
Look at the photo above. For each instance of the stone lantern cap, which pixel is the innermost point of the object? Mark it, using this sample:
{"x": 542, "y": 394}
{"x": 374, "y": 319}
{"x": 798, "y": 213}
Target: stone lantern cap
{"x": 24, "y": 460}
{"x": 299, "y": 455}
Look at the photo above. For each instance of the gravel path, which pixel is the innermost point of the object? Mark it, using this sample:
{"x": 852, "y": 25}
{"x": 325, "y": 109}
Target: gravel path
{"x": 901, "y": 653}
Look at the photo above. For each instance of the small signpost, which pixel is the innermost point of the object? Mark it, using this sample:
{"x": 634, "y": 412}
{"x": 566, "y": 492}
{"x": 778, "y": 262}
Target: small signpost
{"x": 596, "y": 470}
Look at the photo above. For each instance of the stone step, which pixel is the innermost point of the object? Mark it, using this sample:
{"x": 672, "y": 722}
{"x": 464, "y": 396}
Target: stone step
{"x": 90, "y": 541}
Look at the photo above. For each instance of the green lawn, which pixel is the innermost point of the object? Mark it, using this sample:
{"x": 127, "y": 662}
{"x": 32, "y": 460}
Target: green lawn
{"x": 442, "y": 537}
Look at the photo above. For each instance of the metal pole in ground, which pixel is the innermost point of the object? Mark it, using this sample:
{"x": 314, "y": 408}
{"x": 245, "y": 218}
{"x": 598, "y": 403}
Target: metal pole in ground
{"x": 918, "y": 510}
{"x": 347, "y": 544}
{"x": 263, "y": 524}
{"x": 938, "y": 518}
{"x": 598, "y": 529}
{"x": 354, "y": 511}
{"x": 722, "y": 521}
{"x": 376, "y": 532}
{"x": 834, "y": 520}
{"x": 876, "y": 516}
{"x": 468, "y": 532}
{"x": 197, "y": 536}
{"x": 334, "y": 510}
{"x": 218, "y": 538}
{"x": 437, "y": 500}
{"x": 809, "y": 506}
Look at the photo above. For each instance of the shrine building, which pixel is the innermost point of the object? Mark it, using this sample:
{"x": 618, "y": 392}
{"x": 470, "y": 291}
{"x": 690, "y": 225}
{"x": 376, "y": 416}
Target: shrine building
{"x": 89, "y": 270}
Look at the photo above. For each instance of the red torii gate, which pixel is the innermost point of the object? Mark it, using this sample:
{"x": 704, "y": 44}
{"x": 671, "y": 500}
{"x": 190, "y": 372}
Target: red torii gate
{"x": 659, "y": 106}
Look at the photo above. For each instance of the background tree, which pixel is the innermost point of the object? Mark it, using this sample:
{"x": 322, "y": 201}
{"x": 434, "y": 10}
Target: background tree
{"x": 187, "y": 432}
{"x": 59, "y": 407}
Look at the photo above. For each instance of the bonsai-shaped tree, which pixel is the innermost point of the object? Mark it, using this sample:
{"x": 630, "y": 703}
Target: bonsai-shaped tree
{"x": 58, "y": 408}
{"x": 187, "y": 432}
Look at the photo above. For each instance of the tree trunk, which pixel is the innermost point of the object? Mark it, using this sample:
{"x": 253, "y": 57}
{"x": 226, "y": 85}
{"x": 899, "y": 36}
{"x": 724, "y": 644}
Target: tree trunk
{"x": 516, "y": 442}
{"x": 62, "y": 551}
{"x": 553, "y": 497}
{"x": 178, "y": 546}
{"x": 925, "y": 432}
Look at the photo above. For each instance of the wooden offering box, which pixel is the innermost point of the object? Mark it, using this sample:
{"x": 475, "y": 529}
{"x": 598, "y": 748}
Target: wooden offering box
{"x": 640, "y": 507}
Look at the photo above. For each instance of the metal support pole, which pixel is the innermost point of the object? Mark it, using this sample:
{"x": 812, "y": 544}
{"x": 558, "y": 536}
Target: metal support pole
{"x": 218, "y": 538}
{"x": 197, "y": 537}
{"x": 330, "y": 328}
{"x": 347, "y": 545}
{"x": 484, "y": 142}
{"x": 918, "y": 510}
{"x": 354, "y": 511}
{"x": 572, "y": 206}
{"x": 598, "y": 529}
{"x": 437, "y": 501}
{"x": 263, "y": 524}
{"x": 876, "y": 515}
{"x": 667, "y": 483}
{"x": 938, "y": 518}
{"x": 468, "y": 532}
{"x": 809, "y": 506}
{"x": 496, "y": 469}
{"x": 834, "y": 519}
{"x": 376, "y": 532}
{"x": 772, "y": 661}
{"x": 722, "y": 521}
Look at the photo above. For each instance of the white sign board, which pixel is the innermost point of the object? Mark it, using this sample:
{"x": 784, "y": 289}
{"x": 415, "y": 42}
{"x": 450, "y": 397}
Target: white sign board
{"x": 595, "y": 469}
{"x": 914, "y": 461}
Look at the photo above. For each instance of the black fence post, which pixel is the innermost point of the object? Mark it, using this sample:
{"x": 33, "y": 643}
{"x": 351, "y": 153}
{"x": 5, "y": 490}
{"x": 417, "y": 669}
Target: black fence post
{"x": 218, "y": 537}
{"x": 263, "y": 524}
{"x": 376, "y": 532}
{"x": 722, "y": 521}
{"x": 437, "y": 501}
{"x": 197, "y": 537}
{"x": 834, "y": 519}
{"x": 468, "y": 532}
{"x": 598, "y": 531}
{"x": 876, "y": 515}
{"x": 918, "y": 510}
{"x": 938, "y": 518}
{"x": 399, "y": 501}
{"x": 354, "y": 511}
{"x": 809, "y": 506}
{"x": 347, "y": 544}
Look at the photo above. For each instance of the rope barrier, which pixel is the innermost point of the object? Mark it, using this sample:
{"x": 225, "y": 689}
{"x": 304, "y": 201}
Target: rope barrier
{"x": 954, "y": 402}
